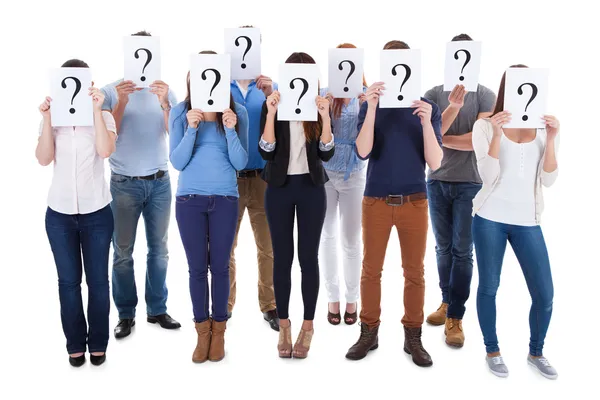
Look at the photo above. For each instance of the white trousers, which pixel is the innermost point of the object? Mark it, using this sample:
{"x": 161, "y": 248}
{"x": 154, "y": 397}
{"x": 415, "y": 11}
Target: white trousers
{"x": 343, "y": 225}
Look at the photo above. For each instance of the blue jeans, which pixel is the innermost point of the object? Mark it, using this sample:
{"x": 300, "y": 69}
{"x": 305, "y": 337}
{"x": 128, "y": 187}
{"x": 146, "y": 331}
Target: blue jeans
{"x": 530, "y": 248}
{"x": 203, "y": 220}
{"x": 152, "y": 199}
{"x": 450, "y": 207}
{"x": 71, "y": 236}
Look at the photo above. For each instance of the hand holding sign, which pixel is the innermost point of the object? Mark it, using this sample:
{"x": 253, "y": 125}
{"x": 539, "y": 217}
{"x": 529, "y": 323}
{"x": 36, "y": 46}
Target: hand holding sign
{"x": 243, "y": 45}
{"x": 401, "y": 72}
{"x": 346, "y": 68}
{"x": 299, "y": 88}
{"x": 463, "y": 61}
{"x": 209, "y": 82}
{"x": 70, "y": 106}
{"x": 141, "y": 55}
{"x": 45, "y": 108}
{"x": 525, "y": 96}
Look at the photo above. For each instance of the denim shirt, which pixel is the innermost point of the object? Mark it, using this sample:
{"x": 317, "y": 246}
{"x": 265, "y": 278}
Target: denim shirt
{"x": 345, "y": 159}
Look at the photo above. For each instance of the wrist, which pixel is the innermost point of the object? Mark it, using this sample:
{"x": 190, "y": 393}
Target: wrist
{"x": 271, "y": 115}
{"x": 166, "y": 106}
{"x": 455, "y": 106}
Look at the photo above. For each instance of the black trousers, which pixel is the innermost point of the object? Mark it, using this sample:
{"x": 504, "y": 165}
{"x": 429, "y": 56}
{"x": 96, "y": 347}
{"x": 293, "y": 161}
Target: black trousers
{"x": 298, "y": 196}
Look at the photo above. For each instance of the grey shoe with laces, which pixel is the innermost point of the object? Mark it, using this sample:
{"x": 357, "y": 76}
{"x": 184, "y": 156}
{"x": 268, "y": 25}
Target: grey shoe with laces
{"x": 497, "y": 366}
{"x": 542, "y": 365}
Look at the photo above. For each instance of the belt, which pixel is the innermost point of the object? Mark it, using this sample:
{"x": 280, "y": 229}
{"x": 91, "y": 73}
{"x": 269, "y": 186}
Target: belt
{"x": 152, "y": 177}
{"x": 353, "y": 158}
{"x": 398, "y": 200}
{"x": 249, "y": 173}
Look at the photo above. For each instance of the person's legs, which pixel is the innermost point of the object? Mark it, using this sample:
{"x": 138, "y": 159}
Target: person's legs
{"x": 243, "y": 190}
{"x": 96, "y": 232}
{"x": 490, "y": 244}
{"x": 157, "y": 213}
{"x": 530, "y": 248}
{"x": 328, "y": 259}
{"x": 63, "y": 235}
{"x": 127, "y": 204}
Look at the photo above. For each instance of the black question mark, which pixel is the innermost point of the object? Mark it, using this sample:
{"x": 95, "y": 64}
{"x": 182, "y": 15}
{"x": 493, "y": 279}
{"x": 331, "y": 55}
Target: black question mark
{"x": 248, "y": 46}
{"x": 408, "y": 73}
{"x": 77, "y": 89}
{"x": 304, "y": 90}
{"x": 352, "y": 68}
{"x": 534, "y": 92}
{"x": 148, "y": 59}
{"x": 468, "y": 58}
{"x": 217, "y": 80}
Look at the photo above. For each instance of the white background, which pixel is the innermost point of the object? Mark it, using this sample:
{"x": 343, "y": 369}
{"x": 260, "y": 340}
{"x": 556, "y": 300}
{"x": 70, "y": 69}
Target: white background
{"x": 156, "y": 364}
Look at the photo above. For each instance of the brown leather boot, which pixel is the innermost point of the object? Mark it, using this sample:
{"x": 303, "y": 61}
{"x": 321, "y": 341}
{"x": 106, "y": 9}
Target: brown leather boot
{"x": 414, "y": 347}
{"x": 368, "y": 340}
{"x": 439, "y": 317}
{"x": 217, "y": 342}
{"x": 201, "y": 352}
{"x": 454, "y": 332}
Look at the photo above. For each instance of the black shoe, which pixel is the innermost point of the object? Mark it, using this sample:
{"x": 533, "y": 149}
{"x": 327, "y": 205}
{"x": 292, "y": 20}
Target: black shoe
{"x": 123, "y": 328}
{"x": 77, "y": 361}
{"x": 165, "y": 321}
{"x": 272, "y": 318}
{"x": 97, "y": 360}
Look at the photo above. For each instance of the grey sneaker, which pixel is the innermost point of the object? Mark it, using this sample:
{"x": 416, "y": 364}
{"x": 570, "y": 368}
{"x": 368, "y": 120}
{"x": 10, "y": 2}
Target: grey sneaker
{"x": 497, "y": 366}
{"x": 542, "y": 365}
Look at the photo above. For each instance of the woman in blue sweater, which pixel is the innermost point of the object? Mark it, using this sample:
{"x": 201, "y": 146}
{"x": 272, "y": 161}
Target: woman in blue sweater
{"x": 208, "y": 148}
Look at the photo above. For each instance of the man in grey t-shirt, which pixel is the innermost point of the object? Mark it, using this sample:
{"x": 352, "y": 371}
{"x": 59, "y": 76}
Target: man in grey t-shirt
{"x": 450, "y": 190}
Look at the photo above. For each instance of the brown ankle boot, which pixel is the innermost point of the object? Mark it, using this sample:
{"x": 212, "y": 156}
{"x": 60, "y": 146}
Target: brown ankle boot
{"x": 217, "y": 342}
{"x": 201, "y": 352}
{"x": 439, "y": 317}
{"x": 368, "y": 340}
{"x": 414, "y": 347}
{"x": 454, "y": 332}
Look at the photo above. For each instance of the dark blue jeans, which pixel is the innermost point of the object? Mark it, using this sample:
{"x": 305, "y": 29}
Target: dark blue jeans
{"x": 72, "y": 236}
{"x": 450, "y": 207}
{"x": 207, "y": 227}
{"x": 133, "y": 198}
{"x": 530, "y": 248}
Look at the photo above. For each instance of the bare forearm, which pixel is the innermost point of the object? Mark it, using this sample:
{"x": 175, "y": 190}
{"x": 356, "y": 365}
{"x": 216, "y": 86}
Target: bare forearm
{"x": 459, "y": 142}
{"x": 44, "y": 151}
{"x": 105, "y": 141}
{"x": 269, "y": 131}
{"x": 448, "y": 117}
{"x": 494, "y": 150}
{"x": 364, "y": 141}
{"x": 118, "y": 112}
{"x": 550, "y": 163}
{"x": 166, "y": 117}
{"x": 326, "y": 134}
{"x": 433, "y": 151}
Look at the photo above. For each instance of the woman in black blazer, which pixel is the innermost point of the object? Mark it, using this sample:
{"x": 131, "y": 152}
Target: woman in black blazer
{"x": 295, "y": 177}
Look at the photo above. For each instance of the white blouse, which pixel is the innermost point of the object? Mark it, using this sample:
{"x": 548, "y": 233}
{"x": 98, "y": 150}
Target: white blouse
{"x": 298, "y": 164}
{"x": 78, "y": 184}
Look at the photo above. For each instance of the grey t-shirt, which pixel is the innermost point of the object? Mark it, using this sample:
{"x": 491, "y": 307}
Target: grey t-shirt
{"x": 457, "y": 165}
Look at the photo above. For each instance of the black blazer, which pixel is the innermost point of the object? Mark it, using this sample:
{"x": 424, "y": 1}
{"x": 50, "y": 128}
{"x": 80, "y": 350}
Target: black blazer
{"x": 275, "y": 172}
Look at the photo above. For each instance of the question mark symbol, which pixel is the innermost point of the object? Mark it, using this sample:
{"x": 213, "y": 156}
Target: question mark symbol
{"x": 77, "y": 89}
{"x": 217, "y": 80}
{"x": 467, "y": 59}
{"x": 352, "y": 68}
{"x": 248, "y": 46}
{"x": 304, "y": 90}
{"x": 534, "y": 92}
{"x": 406, "y": 76}
{"x": 148, "y": 59}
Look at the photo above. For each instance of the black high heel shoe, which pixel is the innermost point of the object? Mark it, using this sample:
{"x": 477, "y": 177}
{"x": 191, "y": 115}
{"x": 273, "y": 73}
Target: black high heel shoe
{"x": 77, "y": 361}
{"x": 97, "y": 360}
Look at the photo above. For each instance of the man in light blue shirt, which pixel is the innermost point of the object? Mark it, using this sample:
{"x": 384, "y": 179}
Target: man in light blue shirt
{"x": 140, "y": 185}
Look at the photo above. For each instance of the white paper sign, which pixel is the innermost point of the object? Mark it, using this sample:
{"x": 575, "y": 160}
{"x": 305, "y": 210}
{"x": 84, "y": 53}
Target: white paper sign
{"x": 210, "y": 78}
{"x": 463, "y": 62}
{"x": 299, "y": 88}
{"x": 141, "y": 55}
{"x": 71, "y": 104}
{"x": 525, "y": 96}
{"x": 346, "y": 68}
{"x": 243, "y": 44}
{"x": 400, "y": 70}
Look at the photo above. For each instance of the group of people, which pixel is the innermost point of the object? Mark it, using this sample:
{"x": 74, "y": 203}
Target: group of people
{"x": 484, "y": 188}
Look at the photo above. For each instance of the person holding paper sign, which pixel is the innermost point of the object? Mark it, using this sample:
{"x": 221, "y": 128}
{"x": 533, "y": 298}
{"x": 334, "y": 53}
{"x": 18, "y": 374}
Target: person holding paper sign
{"x": 140, "y": 186}
{"x": 295, "y": 152}
{"x": 450, "y": 190}
{"x": 252, "y": 94}
{"x": 344, "y": 194}
{"x": 398, "y": 142}
{"x": 79, "y": 222}
{"x": 514, "y": 164}
{"x": 208, "y": 148}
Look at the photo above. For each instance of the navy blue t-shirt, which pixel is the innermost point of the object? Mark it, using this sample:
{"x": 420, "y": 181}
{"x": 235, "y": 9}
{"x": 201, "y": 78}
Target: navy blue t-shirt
{"x": 397, "y": 160}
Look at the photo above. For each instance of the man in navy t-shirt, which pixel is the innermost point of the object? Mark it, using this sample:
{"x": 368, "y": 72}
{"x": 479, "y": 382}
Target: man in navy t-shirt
{"x": 398, "y": 142}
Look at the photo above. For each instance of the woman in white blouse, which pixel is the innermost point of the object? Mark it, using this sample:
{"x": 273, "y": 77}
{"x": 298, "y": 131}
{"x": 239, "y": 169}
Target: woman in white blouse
{"x": 79, "y": 222}
{"x": 514, "y": 164}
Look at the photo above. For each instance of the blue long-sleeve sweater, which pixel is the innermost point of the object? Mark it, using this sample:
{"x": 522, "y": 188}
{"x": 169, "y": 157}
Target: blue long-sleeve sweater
{"x": 207, "y": 158}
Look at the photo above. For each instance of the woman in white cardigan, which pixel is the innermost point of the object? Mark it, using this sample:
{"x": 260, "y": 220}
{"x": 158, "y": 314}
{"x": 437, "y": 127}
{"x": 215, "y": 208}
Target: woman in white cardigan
{"x": 513, "y": 164}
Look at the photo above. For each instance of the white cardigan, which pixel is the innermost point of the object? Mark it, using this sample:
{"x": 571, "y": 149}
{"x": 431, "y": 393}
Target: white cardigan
{"x": 489, "y": 167}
